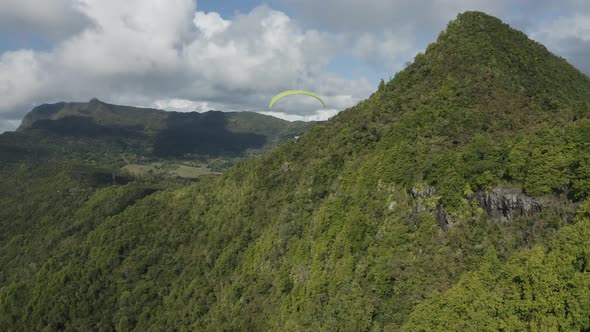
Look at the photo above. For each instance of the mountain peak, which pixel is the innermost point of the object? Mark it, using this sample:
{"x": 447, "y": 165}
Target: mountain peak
{"x": 473, "y": 15}
{"x": 481, "y": 81}
{"x": 484, "y": 34}
{"x": 495, "y": 75}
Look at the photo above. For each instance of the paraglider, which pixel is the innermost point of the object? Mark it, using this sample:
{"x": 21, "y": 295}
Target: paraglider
{"x": 294, "y": 92}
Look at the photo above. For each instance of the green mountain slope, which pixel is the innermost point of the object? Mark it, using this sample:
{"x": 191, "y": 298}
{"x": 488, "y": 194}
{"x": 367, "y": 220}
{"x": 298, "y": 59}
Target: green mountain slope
{"x": 454, "y": 184}
{"x": 540, "y": 288}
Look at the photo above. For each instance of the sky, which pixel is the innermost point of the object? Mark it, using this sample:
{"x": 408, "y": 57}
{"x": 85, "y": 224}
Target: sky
{"x": 187, "y": 55}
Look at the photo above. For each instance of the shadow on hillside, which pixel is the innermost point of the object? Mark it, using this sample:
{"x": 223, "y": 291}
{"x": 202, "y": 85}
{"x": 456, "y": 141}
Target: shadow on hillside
{"x": 12, "y": 153}
{"x": 203, "y": 134}
{"x": 82, "y": 126}
{"x": 15, "y": 147}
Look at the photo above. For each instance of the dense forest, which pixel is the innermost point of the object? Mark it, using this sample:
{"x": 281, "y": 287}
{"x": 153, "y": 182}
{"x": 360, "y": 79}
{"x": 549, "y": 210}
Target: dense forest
{"x": 456, "y": 197}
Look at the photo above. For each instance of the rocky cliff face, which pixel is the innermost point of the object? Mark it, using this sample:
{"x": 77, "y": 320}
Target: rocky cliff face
{"x": 42, "y": 112}
{"x": 506, "y": 204}
{"x": 419, "y": 193}
{"x": 502, "y": 204}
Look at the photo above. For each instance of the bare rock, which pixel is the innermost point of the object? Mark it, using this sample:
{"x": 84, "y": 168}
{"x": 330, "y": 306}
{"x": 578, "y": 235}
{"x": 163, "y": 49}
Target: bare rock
{"x": 505, "y": 204}
{"x": 423, "y": 191}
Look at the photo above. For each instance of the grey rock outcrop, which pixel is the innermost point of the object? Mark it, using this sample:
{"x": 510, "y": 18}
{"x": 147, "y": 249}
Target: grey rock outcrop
{"x": 424, "y": 191}
{"x": 501, "y": 204}
{"x": 442, "y": 216}
{"x": 506, "y": 204}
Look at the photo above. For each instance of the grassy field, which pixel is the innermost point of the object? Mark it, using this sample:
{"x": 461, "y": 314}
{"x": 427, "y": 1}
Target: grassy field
{"x": 169, "y": 170}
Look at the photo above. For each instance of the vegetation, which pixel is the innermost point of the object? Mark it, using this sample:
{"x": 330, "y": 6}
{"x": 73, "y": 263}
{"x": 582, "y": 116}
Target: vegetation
{"x": 113, "y": 134}
{"x": 539, "y": 288}
{"x": 340, "y": 229}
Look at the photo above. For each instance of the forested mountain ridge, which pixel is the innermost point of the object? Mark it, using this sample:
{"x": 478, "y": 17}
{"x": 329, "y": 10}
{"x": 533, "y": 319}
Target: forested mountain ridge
{"x": 342, "y": 228}
{"x": 87, "y": 128}
{"x": 99, "y": 112}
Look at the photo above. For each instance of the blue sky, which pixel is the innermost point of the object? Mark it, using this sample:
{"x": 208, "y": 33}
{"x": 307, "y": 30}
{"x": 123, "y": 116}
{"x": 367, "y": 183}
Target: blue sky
{"x": 22, "y": 40}
{"x": 234, "y": 55}
{"x": 229, "y": 9}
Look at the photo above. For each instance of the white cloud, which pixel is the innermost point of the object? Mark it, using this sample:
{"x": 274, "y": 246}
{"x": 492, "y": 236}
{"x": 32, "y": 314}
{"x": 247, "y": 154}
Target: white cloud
{"x": 377, "y": 15}
{"x": 568, "y": 36}
{"x": 182, "y": 105}
{"x": 210, "y": 23}
{"x": 260, "y": 51}
{"x": 151, "y": 52}
{"x": 385, "y": 49}
{"x": 576, "y": 27}
{"x": 9, "y": 125}
{"x": 21, "y": 75}
{"x": 319, "y": 115}
{"x": 54, "y": 19}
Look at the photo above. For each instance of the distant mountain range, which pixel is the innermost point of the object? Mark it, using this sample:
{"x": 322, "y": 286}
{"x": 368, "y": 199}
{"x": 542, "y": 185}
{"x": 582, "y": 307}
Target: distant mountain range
{"x": 82, "y": 128}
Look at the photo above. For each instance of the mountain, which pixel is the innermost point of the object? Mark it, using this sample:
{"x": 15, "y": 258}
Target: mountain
{"x": 140, "y": 143}
{"x": 454, "y": 198}
{"x": 88, "y": 127}
{"x": 51, "y": 116}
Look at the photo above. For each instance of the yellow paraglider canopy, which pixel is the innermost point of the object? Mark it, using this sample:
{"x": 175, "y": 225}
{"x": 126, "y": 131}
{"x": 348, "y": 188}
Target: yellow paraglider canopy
{"x": 294, "y": 92}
